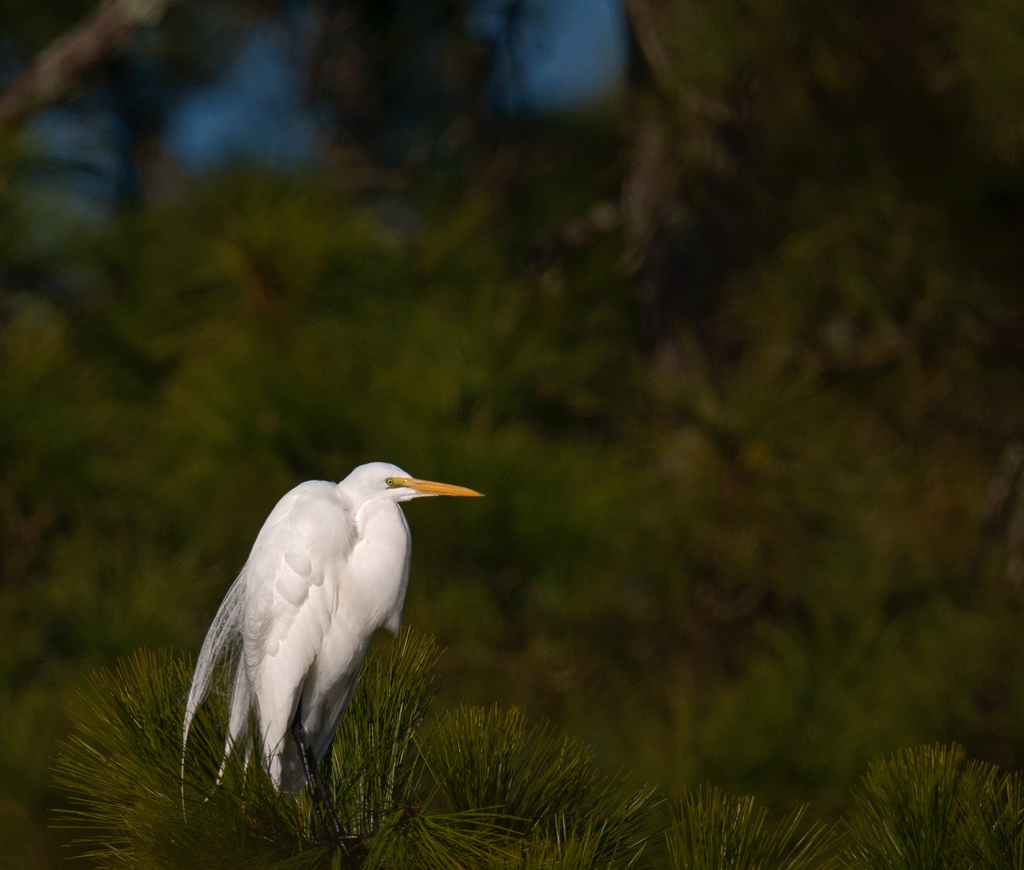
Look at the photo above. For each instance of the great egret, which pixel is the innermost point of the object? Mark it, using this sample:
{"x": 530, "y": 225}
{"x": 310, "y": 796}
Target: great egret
{"x": 329, "y": 567}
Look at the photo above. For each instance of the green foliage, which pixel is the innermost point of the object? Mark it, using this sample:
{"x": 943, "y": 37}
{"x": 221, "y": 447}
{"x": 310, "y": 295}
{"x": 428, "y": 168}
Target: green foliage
{"x": 930, "y": 808}
{"x": 545, "y": 787}
{"x": 714, "y": 831}
{"x": 131, "y": 806}
{"x": 993, "y": 812}
{"x": 478, "y": 788}
{"x": 119, "y": 767}
{"x": 907, "y": 813}
{"x": 376, "y": 767}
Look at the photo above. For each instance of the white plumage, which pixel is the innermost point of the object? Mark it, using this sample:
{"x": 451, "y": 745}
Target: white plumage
{"x": 328, "y": 568}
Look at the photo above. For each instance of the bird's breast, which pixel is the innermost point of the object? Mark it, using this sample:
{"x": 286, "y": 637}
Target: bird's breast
{"x": 372, "y": 590}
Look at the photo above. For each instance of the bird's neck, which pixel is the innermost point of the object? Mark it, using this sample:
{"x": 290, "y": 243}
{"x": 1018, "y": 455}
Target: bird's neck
{"x": 382, "y": 555}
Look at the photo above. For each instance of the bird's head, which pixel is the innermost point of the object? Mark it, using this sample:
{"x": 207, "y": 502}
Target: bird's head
{"x": 384, "y": 480}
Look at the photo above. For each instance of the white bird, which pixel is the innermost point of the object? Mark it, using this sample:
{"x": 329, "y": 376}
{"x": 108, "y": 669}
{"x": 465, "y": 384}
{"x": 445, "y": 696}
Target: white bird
{"x": 329, "y": 567}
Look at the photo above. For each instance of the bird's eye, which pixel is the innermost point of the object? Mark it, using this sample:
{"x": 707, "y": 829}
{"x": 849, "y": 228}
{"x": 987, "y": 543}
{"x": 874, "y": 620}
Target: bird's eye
{"x": 391, "y": 482}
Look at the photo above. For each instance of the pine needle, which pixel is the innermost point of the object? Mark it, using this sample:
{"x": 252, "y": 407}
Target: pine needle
{"x": 908, "y": 812}
{"x": 714, "y": 831}
{"x": 992, "y": 805}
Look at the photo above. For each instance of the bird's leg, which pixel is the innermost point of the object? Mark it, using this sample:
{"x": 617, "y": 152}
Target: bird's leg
{"x": 316, "y": 786}
{"x": 328, "y": 805}
{"x": 299, "y": 733}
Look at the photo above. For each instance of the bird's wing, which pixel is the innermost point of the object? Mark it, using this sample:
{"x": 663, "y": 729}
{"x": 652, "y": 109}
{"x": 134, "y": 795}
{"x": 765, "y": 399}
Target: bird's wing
{"x": 272, "y": 622}
{"x": 297, "y": 616}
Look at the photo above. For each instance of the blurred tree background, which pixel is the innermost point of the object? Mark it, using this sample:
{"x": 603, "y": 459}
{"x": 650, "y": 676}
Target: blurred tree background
{"x": 719, "y": 302}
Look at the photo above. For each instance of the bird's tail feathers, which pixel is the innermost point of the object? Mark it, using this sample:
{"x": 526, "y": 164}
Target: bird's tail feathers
{"x": 241, "y": 696}
{"x": 223, "y": 643}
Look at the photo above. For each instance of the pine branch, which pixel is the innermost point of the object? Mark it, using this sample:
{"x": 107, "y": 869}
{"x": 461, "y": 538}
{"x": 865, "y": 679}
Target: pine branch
{"x": 910, "y": 809}
{"x": 714, "y": 831}
{"x": 57, "y": 68}
{"x": 547, "y": 802}
{"x": 992, "y": 806}
{"x": 546, "y": 789}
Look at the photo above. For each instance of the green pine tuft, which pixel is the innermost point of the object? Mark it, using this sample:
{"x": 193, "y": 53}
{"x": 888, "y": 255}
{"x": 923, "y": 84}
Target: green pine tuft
{"x": 909, "y": 812}
{"x": 992, "y": 805}
{"x": 546, "y": 789}
{"x": 714, "y": 831}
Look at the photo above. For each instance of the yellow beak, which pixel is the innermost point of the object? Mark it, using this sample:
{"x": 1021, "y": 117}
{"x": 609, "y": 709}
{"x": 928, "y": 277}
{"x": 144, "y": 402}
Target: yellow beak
{"x": 429, "y": 487}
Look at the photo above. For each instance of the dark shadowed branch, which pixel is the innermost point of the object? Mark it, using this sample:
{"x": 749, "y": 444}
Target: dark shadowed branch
{"x": 56, "y": 69}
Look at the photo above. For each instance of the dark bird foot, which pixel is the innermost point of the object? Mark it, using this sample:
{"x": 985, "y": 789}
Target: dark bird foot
{"x": 352, "y": 846}
{"x": 332, "y": 833}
